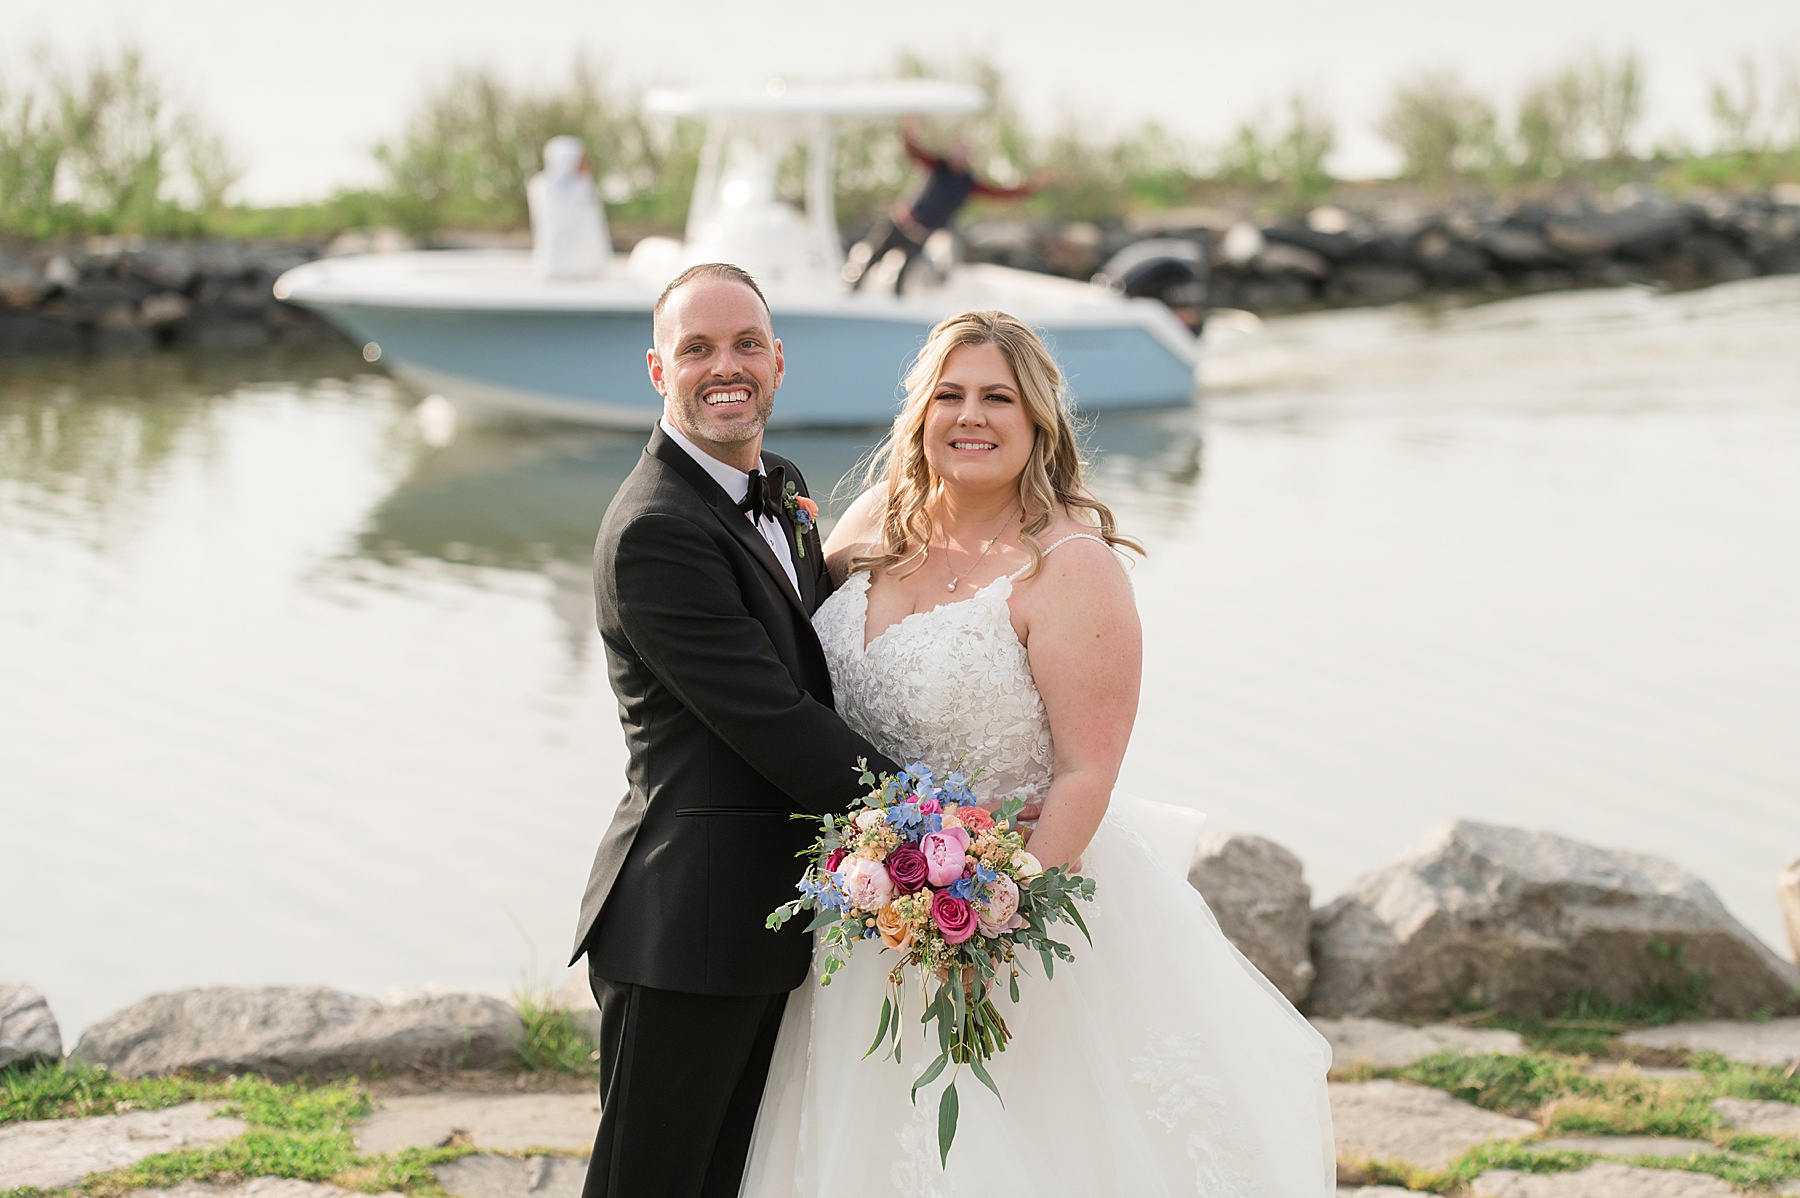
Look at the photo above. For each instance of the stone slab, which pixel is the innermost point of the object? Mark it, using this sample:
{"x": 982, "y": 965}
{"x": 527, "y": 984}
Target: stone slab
{"x": 1603, "y": 1180}
{"x": 1375, "y": 1192}
{"x": 1381, "y": 1044}
{"x": 1771, "y": 1042}
{"x": 1392, "y": 1121}
{"x": 512, "y": 1177}
{"x": 1761, "y": 1118}
{"x": 53, "y": 1153}
{"x": 1628, "y": 1146}
{"x": 500, "y": 1122}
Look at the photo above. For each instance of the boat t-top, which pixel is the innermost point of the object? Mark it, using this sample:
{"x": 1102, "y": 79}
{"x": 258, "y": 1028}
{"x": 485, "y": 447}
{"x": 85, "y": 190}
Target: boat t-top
{"x": 486, "y": 329}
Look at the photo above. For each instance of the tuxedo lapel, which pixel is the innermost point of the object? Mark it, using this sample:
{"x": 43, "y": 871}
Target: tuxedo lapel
{"x": 728, "y": 513}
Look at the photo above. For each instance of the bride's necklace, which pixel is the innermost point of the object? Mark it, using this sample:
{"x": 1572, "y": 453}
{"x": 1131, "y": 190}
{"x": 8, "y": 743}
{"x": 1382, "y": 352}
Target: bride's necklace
{"x": 970, "y": 569}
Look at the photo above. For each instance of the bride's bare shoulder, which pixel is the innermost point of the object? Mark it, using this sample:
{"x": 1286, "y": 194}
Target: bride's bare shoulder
{"x": 856, "y": 531}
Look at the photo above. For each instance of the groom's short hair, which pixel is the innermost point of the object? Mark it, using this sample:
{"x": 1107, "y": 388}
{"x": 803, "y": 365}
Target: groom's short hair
{"x": 706, "y": 270}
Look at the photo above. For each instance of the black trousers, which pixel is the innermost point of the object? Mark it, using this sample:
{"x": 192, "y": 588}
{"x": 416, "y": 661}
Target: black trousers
{"x": 894, "y": 238}
{"x": 681, "y": 1076}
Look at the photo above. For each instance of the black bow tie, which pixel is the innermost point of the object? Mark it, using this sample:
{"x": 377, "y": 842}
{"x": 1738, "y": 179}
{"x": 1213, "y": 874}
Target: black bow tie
{"x": 767, "y": 494}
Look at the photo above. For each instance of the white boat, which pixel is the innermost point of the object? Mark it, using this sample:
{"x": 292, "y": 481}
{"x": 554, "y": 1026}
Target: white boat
{"x": 482, "y": 328}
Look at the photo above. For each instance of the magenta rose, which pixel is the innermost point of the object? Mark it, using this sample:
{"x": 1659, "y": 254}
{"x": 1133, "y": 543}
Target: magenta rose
{"x": 836, "y": 859}
{"x": 954, "y": 917}
{"x": 945, "y": 855}
{"x": 906, "y": 865}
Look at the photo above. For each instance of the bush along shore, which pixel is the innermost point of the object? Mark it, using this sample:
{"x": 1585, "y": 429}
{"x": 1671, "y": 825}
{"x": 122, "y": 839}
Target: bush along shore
{"x": 121, "y": 295}
{"x": 1511, "y": 1014}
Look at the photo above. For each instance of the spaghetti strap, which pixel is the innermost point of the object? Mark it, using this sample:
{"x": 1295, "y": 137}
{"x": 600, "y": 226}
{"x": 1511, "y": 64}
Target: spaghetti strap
{"x": 1054, "y": 545}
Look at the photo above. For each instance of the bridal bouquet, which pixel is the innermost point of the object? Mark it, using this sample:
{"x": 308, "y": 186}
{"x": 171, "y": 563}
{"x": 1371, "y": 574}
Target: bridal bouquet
{"x": 950, "y": 889}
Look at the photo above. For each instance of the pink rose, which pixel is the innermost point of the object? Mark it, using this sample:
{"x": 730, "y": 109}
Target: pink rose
{"x": 954, "y": 917}
{"x": 945, "y": 855}
{"x": 836, "y": 859}
{"x": 930, "y": 807}
{"x": 868, "y": 885}
{"x": 907, "y": 867}
{"x": 1000, "y": 913}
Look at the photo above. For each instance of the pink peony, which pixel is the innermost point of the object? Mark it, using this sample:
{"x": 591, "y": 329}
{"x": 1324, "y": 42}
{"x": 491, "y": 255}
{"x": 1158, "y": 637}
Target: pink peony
{"x": 907, "y": 867}
{"x": 1000, "y": 913}
{"x": 867, "y": 884}
{"x": 946, "y": 853}
{"x": 954, "y": 917}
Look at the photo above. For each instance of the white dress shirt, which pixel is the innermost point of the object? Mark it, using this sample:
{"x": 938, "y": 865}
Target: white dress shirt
{"x": 737, "y": 485}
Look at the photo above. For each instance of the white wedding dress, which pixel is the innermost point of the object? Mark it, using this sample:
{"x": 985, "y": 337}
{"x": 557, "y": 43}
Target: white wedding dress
{"x": 1159, "y": 1063}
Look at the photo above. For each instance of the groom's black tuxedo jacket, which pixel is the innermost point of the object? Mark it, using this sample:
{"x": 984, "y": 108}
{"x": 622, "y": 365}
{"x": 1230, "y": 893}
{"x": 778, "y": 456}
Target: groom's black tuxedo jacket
{"x": 726, "y": 703}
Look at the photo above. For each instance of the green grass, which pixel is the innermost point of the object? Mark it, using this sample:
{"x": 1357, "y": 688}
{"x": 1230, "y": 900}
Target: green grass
{"x": 300, "y": 1130}
{"x": 555, "y": 1039}
{"x": 1554, "y": 1090}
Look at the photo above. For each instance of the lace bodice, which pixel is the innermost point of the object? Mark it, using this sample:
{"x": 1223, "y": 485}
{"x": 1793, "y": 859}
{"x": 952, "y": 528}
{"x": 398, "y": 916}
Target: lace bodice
{"x": 950, "y": 687}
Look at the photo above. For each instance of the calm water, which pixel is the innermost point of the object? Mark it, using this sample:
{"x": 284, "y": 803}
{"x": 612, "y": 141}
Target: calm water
{"x": 290, "y": 696}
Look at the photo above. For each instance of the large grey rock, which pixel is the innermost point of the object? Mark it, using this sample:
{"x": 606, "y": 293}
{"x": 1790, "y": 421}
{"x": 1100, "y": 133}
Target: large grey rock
{"x": 1772, "y": 1042}
{"x": 1787, "y": 887}
{"x": 28, "y": 1031}
{"x": 287, "y": 1030}
{"x": 1411, "y": 1125}
{"x": 501, "y": 1122}
{"x": 512, "y": 1177}
{"x": 1257, "y": 890}
{"x": 1604, "y": 1180}
{"x": 1522, "y": 921}
{"x": 1758, "y": 1117}
{"x": 1381, "y": 1044}
{"x": 54, "y": 1153}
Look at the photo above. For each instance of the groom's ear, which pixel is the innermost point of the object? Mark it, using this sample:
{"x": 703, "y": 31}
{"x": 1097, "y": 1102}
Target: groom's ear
{"x": 655, "y": 366}
{"x": 780, "y": 363}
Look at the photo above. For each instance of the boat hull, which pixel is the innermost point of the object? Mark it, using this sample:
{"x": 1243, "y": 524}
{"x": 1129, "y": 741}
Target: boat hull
{"x": 585, "y": 361}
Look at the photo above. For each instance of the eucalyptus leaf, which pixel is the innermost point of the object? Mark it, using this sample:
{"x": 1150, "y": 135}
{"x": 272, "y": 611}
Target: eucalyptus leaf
{"x": 946, "y": 1123}
{"x": 930, "y": 1075}
{"x": 887, "y": 1013}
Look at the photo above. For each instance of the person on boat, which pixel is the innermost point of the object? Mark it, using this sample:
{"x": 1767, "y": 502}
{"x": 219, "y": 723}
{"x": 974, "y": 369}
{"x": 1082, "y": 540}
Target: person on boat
{"x": 947, "y": 187}
{"x": 569, "y": 238}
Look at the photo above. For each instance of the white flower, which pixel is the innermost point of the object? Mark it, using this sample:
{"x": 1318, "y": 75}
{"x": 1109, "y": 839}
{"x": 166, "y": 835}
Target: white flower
{"x": 1025, "y": 865}
{"x": 867, "y": 818}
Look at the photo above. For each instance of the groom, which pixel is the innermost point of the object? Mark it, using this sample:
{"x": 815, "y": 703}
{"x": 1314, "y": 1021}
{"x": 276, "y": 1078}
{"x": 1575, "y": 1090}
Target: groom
{"x": 705, "y": 586}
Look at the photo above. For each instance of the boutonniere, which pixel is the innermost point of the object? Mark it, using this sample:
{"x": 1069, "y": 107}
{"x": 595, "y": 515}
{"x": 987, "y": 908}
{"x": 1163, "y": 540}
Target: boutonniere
{"x": 803, "y": 512}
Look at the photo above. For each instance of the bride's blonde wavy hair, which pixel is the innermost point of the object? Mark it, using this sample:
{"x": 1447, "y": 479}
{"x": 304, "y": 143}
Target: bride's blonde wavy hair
{"x": 1052, "y": 478}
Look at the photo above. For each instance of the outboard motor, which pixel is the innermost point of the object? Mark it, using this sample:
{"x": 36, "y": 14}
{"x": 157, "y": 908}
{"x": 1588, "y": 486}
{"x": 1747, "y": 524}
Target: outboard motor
{"x": 1169, "y": 269}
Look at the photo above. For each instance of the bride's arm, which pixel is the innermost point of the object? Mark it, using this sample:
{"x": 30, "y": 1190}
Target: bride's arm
{"x": 856, "y": 530}
{"x": 1086, "y": 649}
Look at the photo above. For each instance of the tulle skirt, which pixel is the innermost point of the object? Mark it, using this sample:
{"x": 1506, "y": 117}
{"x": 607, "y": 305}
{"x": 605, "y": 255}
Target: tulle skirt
{"x": 1160, "y": 1062}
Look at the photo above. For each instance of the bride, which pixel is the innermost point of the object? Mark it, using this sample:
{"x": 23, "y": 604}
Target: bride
{"x": 982, "y": 617}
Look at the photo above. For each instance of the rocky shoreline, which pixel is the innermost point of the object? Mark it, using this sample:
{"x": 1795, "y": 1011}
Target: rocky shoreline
{"x": 1397, "y": 250}
{"x": 1478, "y": 922}
{"x": 121, "y": 295}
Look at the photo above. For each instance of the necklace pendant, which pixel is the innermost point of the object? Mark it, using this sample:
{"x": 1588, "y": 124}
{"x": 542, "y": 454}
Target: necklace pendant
{"x": 952, "y": 585}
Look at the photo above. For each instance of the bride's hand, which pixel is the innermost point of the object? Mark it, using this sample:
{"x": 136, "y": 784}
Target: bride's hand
{"x": 1028, "y": 814}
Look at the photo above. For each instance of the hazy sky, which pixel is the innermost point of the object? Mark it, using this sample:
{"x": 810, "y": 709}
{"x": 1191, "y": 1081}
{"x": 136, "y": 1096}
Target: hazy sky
{"x": 303, "y": 89}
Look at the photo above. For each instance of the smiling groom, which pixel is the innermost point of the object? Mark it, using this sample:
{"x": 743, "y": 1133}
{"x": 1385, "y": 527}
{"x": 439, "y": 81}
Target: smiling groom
{"x": 706, "y": 577}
